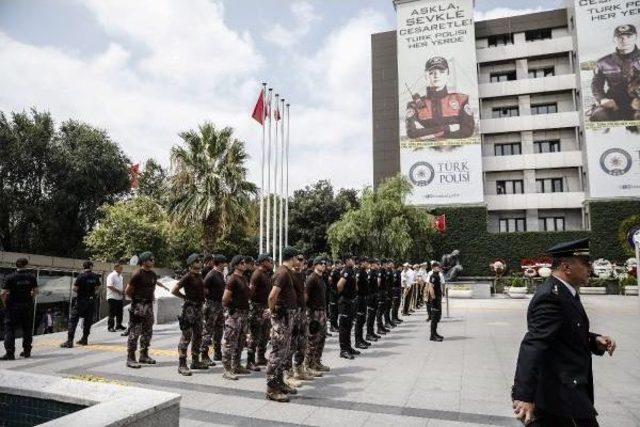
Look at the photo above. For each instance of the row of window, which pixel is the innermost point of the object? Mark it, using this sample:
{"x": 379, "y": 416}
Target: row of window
{"x": 543, "y": 185}
{"x": 514, "y": 111}
{"x": 514, "y": 225}
{"x": 534, "y": 73}
{"x": 530, "y": 36}
{"x": 515, "y": 148}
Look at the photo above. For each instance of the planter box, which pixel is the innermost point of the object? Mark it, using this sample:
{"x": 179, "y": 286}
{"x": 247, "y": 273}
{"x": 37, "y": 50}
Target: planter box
{"x": 460, "y": 293}
{"x": 593, "y": 290}
{"x": 631, "y": 290}
{"x": 613, "y": 287}
{"x": 517, "y": 292}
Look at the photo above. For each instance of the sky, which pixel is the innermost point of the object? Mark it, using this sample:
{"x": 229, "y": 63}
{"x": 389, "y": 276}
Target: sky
{"x": 147, "y": 70}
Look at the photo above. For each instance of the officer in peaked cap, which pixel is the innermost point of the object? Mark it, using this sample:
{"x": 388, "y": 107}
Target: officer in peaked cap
{"x": 439, "y": 114}
{"x": 553, "y": 384}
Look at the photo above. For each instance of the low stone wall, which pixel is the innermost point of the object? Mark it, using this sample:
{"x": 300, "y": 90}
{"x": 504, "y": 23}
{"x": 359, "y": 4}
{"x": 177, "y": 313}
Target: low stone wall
{"x": 108, "y": 405}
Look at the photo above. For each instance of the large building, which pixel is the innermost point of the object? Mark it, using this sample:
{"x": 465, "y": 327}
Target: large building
{"x": 531, "y": 128}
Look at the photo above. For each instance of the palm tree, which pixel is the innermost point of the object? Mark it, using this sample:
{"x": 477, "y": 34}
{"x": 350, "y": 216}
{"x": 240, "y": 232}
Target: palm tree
{"x": 209, "y": 181}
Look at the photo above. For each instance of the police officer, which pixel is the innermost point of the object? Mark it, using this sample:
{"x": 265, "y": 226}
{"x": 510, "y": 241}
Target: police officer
{"x": 235, "y": 301}
{"x": 250, "y": 265}
{"x": 617, "y": 70}
{"x": 214, "y": 285}
{"x": 373, "y": 280}
{"x": 439, "y": 114}
{"x": 18, "y": 293}
{"x": 397, "y": 294}
{"x": 382, "y": 298}
{"x": 334, "y": 277}
{"x": 389, "y": 271}
{"x": 260, "y": 285}
{"x": 282, "y": 302}
{"x": 435, "y": 282}
{"x": 315, "y": 297}
{"x": 347, "y": 291}
{"x": 325, "y": 277}
{"x": 553, "y": 384}
{"x": 296, "y": 372}
{"x": 360, "y": 303}
{"x": 83, "y": 305}
{"x": 190, "y": 320}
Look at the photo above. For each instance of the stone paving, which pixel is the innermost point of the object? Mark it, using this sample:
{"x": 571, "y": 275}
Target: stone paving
{"x": 404, "y": 379}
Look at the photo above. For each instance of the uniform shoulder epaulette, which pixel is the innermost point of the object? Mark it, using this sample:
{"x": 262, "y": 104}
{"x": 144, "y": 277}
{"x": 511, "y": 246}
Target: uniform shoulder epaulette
{"x": 554, "y": 289}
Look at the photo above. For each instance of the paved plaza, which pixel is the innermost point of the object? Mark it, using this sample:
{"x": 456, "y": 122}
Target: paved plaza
{"x": 403, "y": 380}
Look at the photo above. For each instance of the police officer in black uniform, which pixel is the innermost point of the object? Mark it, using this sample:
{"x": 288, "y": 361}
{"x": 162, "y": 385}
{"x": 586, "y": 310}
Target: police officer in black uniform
{"x": 325, "y": 277}
{"x": 617, "y": 70}
{"x": 83, "y": 305}
{"x": 18, "y": 293}
{"x": 553, "y": 384}
{"x": 382, "y": 298}
{"x": 361, "y": 303}
{"x": 334, "y": 276}
{"x": 435, "y": 280}
{"x": 397, "y": 294}
{"x": 373, "y": 280}
{"x": 388, "y": 322}
{"x": 439, "y": 114}
{"x": 347, "y": 291}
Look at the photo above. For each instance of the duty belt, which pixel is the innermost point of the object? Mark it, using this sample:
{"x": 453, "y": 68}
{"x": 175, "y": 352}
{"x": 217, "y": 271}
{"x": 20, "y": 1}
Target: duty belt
{"x": 192, "y": 302}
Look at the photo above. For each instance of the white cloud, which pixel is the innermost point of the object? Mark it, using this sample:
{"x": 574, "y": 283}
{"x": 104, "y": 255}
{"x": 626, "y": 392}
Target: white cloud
{"x": 502, "y": 12}
{"x": 304, "y": 15}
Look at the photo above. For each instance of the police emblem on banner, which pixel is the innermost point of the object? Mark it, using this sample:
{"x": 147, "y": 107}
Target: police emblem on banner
{"x": 421, "y": 174}
{"x": 615, "y": 161}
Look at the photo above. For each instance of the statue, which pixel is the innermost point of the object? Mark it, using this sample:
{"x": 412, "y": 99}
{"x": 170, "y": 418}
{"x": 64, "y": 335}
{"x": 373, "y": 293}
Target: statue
{"x": 451, "y": 265}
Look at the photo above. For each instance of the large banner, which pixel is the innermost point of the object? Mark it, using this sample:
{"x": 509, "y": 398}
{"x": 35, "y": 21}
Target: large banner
{"x": 438, "y": 102}
{"x": 607, "y": 37}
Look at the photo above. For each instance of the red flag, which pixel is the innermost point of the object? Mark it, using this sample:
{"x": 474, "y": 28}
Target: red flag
{"x": 276, "y": 115}
{"x": 440, "y": 223}
{"x": 134, "y": 171}
{"x": 259, "y": 111}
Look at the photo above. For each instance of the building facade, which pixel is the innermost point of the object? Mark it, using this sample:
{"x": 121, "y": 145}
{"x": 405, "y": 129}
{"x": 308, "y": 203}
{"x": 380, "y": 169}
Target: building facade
{"x": 530, "y": 122}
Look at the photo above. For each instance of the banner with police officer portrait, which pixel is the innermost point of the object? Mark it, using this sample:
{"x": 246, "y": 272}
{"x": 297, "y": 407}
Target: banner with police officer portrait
{"x": 609, "y": 73}
{"x": 440, "y": 149}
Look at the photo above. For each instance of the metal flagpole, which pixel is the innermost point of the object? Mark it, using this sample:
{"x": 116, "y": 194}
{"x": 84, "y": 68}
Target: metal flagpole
{"x": 286, "y": 200}
{"x": 264, "y": 89}
{"x": 282, "y": 141}
{"x": 275, "y": 186}
{"x": 268, "y": 218}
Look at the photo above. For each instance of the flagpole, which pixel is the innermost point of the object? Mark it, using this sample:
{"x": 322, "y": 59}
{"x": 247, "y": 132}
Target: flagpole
{"x": 275, "y": 187}
{"x": 282, "y": 141}
{"x": 264, "y": 88}
{"x": 286, "y": 200}
{"x": 268, "y": 218}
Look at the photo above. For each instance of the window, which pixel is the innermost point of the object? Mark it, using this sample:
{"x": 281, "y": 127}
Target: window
{"x": 549, "y": 185}
{"x": 497, "y": 113}
{"x": 555, "y": 223}
{"x": 544, "y": 109}
{"x": 512, "y": 225}
{"x": 502, "y": 77}
{"x": 533, "y": 35}
{"x": 542, "y": 72}
{"x": 510, "y": 149}
{"x": 513, "y": 186}
{"x": 500, "y": 40}
{"x": 547, "y": 146}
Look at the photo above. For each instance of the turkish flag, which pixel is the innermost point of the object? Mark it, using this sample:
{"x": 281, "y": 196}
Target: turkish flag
{"x": 260, "y": 111}
{"x": 440, "y": 223}
{"x": 276, "y": 115}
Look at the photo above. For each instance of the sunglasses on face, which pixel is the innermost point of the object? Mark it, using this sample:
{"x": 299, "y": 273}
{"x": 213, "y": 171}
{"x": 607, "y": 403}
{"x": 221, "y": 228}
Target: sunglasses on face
{"x": 300, "y": 258}
{"x": 323, "y": 263}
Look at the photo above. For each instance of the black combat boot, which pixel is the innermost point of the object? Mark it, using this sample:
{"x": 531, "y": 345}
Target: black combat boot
{"x": 131, "y": 360}
{"x": 183, "y": 369}
{"x": 217, "y": 353}
{"x": 196, "y": 363}
{"x": 370, "y": 337}
{"x": 345, "y": 354}
{"x": 251, "y": 362}
{"x": 262, "y": 361}
{"x": 83, "y": 341}
{"x": 26, "y": 353}
{"x": 8, "y": 356}
{"x": 67, "y": 344}
{"x": 144, "y": 357}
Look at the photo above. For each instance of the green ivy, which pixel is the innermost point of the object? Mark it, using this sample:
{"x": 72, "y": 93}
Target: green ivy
{"x": 623, "y": 230}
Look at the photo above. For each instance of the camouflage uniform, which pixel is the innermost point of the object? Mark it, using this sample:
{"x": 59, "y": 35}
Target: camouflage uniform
{"x": 235, "y": 336}
{"x": 213, "y": 325}
{"x": 191, "y": 326}
{"x": 140, "y": 325}
{"x": 281, "y": 324}
{"x": 317, "y": 334}
{"x": 259, "y": 325}
{"x": 298, "y": 338}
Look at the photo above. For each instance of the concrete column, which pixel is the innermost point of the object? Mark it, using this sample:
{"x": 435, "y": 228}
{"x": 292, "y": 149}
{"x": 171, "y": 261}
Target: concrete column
{"x": 526, "y": 137}
{"x": 529, "y": 181}
{"x": 532, "y": 220}
{"x": 524, "y": 103}
{"x": 522, "y": 69}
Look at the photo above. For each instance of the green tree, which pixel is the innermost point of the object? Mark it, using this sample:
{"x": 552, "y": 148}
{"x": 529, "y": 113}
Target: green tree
{"x": 209, "y": 182}
{"x": 312, "y": 210}
{"x": 152, "y": 181}
{"x": 384, "y": 226}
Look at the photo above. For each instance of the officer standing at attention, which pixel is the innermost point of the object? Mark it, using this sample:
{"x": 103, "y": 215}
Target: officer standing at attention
{"x": 361, "y": 303}
{"x": 435, "y": 281}
{"x": 373, "y": 279}
{"x": 83, "y": 305}
{"x": 347, "y": 291}
{"x": 315, "y": 297}
{"x": 382, "y": 298}
{"x": 553, "y": 384}
{"x": 388, "y": 323}
{"x": 235, "y": 301}
{"x": 214, "y": 285}
{"x": 325, "y": 277}
{"x": 397, "y": 294}
{"x": 18, "y": 293}
{"x": 190, "y": 320}
{"x": 260, "y": 285}
{"x": 333, "y": 296}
